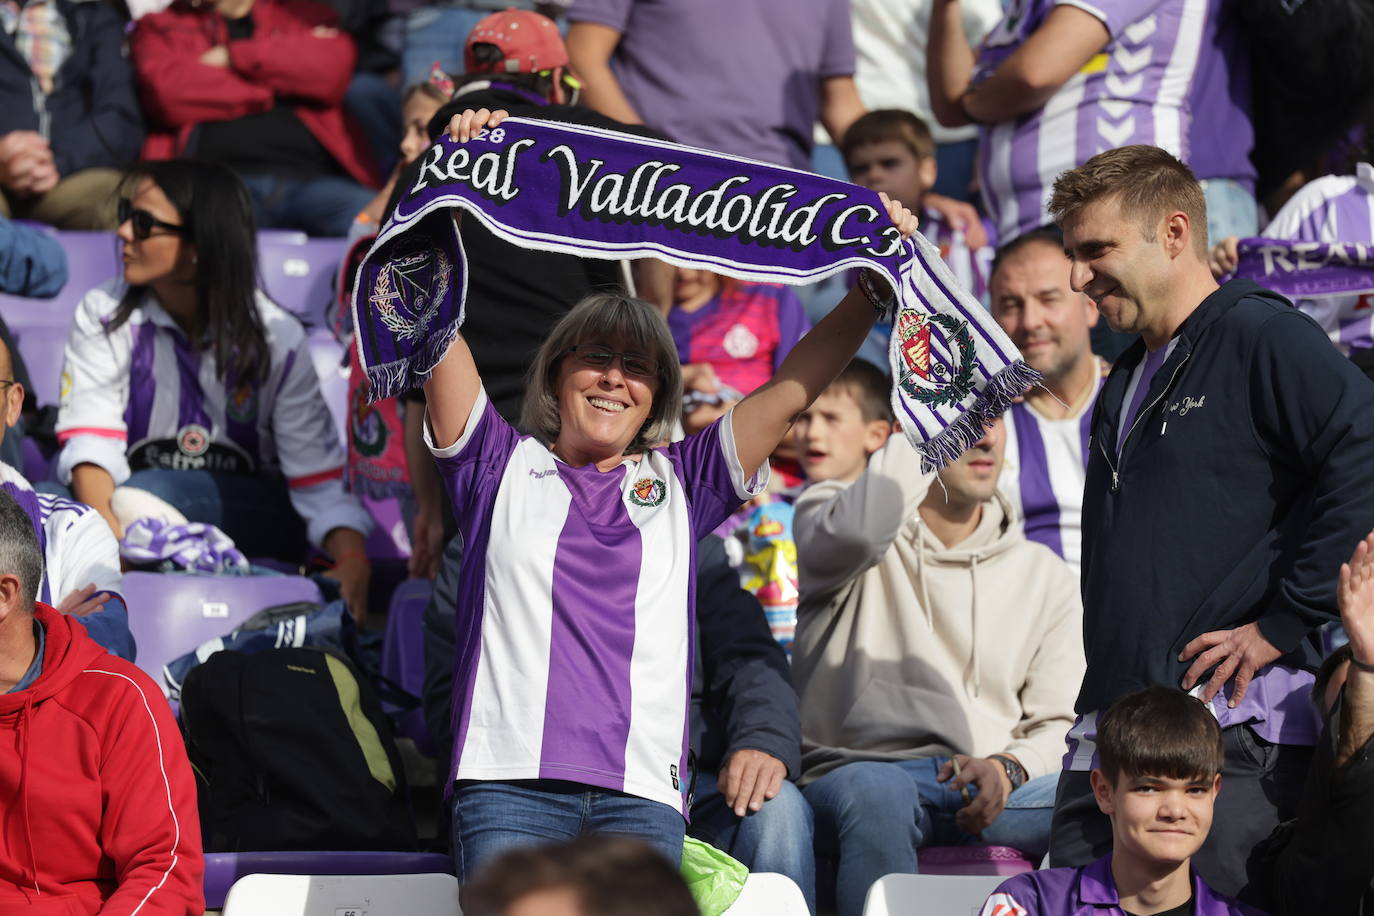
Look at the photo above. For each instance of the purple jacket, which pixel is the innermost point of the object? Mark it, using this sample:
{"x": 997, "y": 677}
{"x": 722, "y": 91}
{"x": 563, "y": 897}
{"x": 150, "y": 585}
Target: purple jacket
{"x": 1088, "y": 890}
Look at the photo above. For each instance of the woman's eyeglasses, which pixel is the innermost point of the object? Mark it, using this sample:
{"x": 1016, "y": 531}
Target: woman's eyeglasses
{"x": 144, "y": 222}
{"x": 602, "y": 358}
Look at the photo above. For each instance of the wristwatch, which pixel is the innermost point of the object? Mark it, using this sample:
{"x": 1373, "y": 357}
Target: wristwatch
{"x": 1015, "y": 772}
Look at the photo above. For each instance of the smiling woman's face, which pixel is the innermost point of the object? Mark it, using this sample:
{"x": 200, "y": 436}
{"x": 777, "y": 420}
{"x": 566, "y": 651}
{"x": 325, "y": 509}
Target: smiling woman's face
{"x": 601, "y": 409}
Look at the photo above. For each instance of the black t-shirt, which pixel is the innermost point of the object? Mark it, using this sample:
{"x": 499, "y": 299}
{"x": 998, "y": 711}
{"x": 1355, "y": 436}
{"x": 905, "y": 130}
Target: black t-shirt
{"x": 274, "y": 142}
{"x": 1186, "y": 909}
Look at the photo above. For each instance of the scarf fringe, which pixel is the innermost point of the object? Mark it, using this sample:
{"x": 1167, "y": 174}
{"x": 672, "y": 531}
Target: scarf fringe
{"x": 962, "y": 434}
{"x": 395, "y": 378}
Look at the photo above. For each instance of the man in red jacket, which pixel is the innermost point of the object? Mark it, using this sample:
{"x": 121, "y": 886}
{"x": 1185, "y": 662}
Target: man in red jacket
{"x": 258, "y": 85}
{"x": 97, "y": 800}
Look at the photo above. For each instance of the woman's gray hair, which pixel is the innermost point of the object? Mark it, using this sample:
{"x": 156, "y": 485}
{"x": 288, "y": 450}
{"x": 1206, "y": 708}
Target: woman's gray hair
{"x": 603, "y": 318}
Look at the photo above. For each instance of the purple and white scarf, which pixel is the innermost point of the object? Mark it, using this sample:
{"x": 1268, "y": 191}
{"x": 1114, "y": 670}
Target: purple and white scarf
{"x": 194, "y": 546}
{"x": 596, "y": 193}
{"x": 1331, "y": 281}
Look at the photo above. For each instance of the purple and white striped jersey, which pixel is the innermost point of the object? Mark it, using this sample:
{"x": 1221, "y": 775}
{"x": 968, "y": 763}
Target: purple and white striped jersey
{"x": 575, "y": 605}
{"x": 79, "y": 549}
{"x": 971, "y": 268}
{"x": 1138, "y": 90}
{"x": 1335, "y": 208}
{"x": 1044, "y": 470}
{"x": 142, "y": 397}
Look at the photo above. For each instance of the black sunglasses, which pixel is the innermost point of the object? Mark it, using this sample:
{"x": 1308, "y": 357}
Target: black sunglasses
{"x": 601, "y": 358}
{"x": 144, "y": 222}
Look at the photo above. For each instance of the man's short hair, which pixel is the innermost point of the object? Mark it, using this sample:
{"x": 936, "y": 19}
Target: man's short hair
{"x": 870, "y": 388}
{"x": 1159, "y": 731}
{"x": 885, "y": 124}
{"x": 20, "y": 554}
{"x": 609, "y": 876}
{"x": 1045, "y": 235}
{"x": 1148, "y": 183}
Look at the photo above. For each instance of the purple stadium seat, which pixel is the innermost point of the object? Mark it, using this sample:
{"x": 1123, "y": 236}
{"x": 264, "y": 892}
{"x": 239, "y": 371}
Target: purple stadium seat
{"x": 972, "y": 860}
{"x": 331, "y": 365}
{"x": 222, "y": 869}
{"x": 403, "y": 656}
{"x": 299, "y": 276}
{"x": 42, "y": 346}
{"x": 92, "y": 258}
{"x": 170, "y": 613}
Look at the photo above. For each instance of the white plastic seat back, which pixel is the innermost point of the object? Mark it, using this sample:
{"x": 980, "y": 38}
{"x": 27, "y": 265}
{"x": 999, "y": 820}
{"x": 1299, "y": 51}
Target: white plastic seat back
{"x": 343, "y": 895}
{"x": 930, "y": 895}
{"x": 768, "y": 894}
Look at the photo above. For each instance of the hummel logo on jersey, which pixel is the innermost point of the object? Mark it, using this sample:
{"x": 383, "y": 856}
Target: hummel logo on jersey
{"x": 539, "y": 475}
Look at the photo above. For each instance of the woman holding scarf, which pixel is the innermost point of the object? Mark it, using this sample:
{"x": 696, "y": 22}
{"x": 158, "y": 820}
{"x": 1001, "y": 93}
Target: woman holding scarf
{"x": 573, "y": 667}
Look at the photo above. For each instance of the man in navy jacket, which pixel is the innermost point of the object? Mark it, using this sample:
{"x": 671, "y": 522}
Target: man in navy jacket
{"x": 69, "y": 115}
{"x": 1231, "y": 468}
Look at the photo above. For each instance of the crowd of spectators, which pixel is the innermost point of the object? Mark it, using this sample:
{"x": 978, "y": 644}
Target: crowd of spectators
{"x": 1114, "y": 612}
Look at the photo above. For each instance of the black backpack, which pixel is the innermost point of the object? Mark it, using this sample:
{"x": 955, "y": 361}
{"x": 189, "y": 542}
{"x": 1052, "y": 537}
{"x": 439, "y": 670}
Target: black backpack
{"x": 292, "y": 752}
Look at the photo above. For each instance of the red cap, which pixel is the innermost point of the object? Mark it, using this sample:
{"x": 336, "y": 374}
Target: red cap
{"x": 528, "y": 41}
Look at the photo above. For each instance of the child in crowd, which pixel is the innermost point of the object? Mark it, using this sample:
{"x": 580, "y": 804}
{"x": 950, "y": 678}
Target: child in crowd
{"x": 730, "y": 336}
{"x": 1161, "y": 754}
{"x": 891, "y": 150}
{"x": 850, "y": 421}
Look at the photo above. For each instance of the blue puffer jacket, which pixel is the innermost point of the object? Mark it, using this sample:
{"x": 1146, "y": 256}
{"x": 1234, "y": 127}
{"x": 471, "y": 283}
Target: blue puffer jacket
{"x": 32, "y": 263}
{"x": 92, "y": 117}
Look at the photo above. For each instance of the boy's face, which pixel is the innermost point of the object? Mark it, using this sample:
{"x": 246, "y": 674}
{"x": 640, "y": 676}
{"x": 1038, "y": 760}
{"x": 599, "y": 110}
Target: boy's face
{"x": 890, "y": 166}
{"x": 1157, "y": 819}
{"x": 834, "y": 438}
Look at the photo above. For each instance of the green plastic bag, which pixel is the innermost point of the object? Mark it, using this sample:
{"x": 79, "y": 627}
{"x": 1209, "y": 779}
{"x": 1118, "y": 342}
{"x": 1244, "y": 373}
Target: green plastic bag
{"x": 714, "y": 878}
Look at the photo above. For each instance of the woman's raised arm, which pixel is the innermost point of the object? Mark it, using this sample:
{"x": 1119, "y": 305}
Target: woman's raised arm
{"x": 763, "y": 418}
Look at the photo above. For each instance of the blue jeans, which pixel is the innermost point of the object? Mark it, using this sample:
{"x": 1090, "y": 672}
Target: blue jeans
{"x": 492, "y": 817}
{"x": 872, "y": 816}
{"x": 1231, "y": 210}
{"x": 317, "y": 206}
{"x": 255, "y": 511}
{"x": 777, "y": 838}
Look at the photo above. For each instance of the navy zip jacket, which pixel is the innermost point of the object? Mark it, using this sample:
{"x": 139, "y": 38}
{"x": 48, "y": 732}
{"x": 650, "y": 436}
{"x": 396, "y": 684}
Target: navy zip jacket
{"x": 1244, "y": 483}
{"x": 92, "y": 117}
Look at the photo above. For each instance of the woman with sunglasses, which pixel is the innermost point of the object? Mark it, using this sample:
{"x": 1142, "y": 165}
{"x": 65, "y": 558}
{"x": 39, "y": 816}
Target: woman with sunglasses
{"x": 185, "y": 387}
{"x": 573, "y": 665}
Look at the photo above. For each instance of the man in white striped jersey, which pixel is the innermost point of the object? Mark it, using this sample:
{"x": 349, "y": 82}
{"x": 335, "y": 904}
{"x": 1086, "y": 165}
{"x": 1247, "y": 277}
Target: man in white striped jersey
{"x": 1047, "y": 432}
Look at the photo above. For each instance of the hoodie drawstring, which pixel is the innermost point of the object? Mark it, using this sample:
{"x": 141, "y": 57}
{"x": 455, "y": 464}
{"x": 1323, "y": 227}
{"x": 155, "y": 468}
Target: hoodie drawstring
{"x": 921, "y": 577}
{"x": 973, "y": 625}
{"x": 25, "y": 715}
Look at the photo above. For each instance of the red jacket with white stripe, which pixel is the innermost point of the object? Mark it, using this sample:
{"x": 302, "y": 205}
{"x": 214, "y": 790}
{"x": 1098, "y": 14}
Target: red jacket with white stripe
{"x": 98, "y": 799}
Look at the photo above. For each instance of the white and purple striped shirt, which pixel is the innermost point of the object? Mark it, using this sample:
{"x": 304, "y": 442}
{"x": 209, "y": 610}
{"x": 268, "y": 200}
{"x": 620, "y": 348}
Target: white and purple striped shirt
{"x": 1335, "y": 208}
{"x": 575, "y": 598}
{"x": 1138, "y": 90}
{"x": 972, "y": 268}
{"x": 142, "y": 397}
{"x": 1044, "y": 471}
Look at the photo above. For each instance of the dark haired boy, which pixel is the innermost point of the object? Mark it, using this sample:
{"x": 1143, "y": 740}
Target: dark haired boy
{"x": 891, "y": 150}
{"x": 1161, "y": 755}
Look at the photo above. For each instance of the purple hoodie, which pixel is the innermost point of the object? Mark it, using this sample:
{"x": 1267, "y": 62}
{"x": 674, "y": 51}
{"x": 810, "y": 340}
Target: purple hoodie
{"x": 1088, "y": 890}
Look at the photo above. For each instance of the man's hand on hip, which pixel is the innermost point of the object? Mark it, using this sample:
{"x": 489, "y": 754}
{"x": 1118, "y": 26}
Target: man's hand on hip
{"x": 994, "y": 787}
{"x": 749, "y": 778}
{"x": 1237, "y": 654}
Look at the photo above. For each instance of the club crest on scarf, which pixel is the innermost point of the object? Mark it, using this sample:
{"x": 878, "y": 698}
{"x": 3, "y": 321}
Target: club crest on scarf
{"x": 648, "y": 492}
{"x": 410, "y": 286}
{"x": 927, "y": 377}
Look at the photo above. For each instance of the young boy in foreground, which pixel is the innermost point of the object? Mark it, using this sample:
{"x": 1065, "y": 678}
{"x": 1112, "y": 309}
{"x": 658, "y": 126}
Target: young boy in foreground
{"x": 1161, "y": 755}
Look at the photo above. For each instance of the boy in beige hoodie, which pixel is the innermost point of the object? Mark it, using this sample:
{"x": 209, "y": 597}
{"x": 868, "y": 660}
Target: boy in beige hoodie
{"x": 938, "y": 652}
